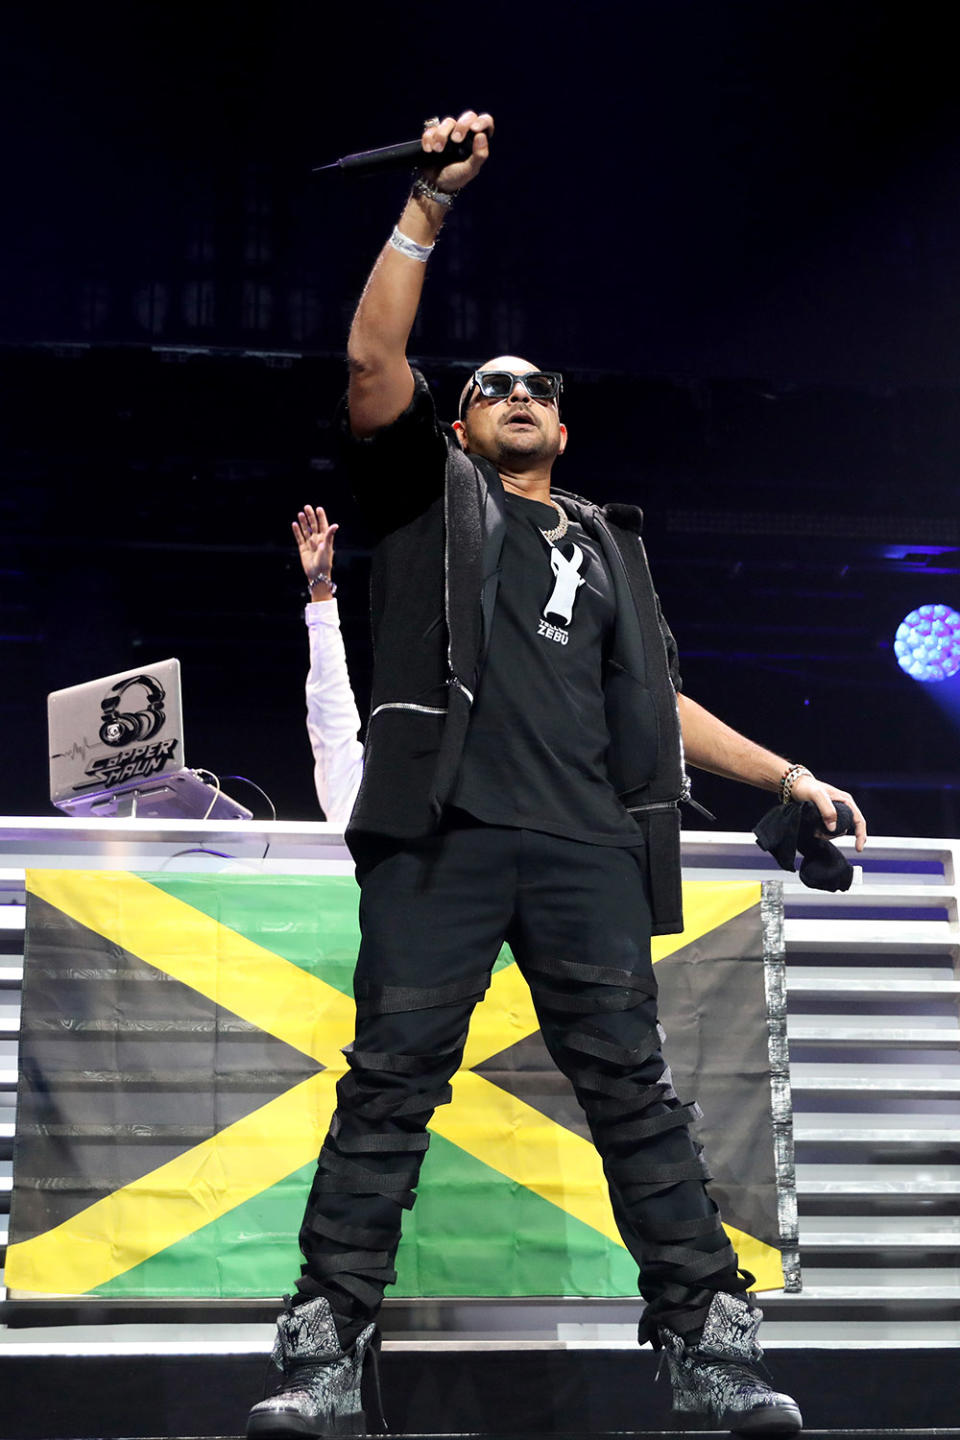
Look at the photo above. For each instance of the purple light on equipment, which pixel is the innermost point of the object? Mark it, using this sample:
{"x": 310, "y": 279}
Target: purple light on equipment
{"x": 927, "y": 643}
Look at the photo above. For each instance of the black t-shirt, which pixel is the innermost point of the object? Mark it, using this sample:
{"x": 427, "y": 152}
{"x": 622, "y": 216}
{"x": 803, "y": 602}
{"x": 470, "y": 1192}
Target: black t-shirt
{"x": 536, "y": 747}
{"x": 537, "y": 738}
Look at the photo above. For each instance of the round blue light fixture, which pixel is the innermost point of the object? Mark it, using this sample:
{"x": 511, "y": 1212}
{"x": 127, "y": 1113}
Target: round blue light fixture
{"x": 927, "y": 643}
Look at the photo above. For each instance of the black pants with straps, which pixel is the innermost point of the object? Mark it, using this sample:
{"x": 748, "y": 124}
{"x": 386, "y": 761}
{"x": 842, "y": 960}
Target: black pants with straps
{"x": 433, "y": 917}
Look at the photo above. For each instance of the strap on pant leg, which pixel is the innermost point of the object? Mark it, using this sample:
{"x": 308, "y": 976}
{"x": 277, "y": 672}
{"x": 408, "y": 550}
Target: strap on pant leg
{"x": 590, "y": 1040}
{"x": 371, "y": 1158}
{"x": 367, "y": 1236}
{"x": 397, "y": 999}
{"x": 641, "y": 1128}
{"x": 638, "y": 1120}
{"x": 586, "y": 976}
{"x": 388, "y": 1105}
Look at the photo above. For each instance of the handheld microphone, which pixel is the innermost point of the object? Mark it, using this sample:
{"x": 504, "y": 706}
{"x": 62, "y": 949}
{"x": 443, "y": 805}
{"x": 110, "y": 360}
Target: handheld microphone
{"x": 398, "y": 157}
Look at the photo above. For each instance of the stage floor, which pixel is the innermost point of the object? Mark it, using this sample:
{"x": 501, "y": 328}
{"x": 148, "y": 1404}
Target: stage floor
{"x": 935, "y": 1434}
{"x": 537, "y": 1392}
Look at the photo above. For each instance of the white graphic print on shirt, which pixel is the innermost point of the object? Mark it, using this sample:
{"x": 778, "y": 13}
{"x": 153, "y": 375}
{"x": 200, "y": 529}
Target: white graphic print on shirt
{"x": 558, "y": 611}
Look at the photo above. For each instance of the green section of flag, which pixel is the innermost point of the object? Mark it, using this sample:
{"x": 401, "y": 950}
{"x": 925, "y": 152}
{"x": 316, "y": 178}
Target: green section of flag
{"x": 472, "y": 1232}
{"x": 310, "y": 920}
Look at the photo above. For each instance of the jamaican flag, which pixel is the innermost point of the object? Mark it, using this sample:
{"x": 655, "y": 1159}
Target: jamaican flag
{"x": 181, "y": 1041}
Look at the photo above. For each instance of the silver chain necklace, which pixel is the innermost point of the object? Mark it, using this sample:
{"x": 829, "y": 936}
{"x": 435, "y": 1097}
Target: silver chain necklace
{"x": 558, "y": 531}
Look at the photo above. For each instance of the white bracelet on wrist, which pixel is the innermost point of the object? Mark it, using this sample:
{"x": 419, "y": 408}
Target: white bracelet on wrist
{"x": 409, "y": 247}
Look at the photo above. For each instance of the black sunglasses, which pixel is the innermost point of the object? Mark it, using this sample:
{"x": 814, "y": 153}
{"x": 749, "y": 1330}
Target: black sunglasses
{"x": 498, "y": 384}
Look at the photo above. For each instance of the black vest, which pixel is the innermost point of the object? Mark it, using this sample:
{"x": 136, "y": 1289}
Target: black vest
{"x": 426, "y": 668}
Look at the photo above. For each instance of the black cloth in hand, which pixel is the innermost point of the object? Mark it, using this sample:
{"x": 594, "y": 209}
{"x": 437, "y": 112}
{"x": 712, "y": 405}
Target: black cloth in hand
{"x": 798, "y": 826}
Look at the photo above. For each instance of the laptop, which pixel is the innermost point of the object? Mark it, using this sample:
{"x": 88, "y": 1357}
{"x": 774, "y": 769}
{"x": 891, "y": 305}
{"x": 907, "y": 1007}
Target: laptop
{"x": 116, "y": 749}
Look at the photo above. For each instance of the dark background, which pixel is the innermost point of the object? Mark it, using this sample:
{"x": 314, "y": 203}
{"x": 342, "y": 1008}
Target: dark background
{"x": 734, "y": 227}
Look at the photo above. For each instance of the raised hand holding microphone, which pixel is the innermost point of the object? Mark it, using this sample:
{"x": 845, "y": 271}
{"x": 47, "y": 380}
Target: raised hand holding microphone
{"x": 381, "y": 382}
{"x": 433, "y": 192}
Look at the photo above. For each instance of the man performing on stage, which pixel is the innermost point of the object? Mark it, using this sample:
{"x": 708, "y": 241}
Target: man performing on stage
{"x": 523, "y": 768}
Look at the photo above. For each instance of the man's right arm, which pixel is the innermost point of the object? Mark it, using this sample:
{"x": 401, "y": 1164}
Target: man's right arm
{"x": 381, "y": 382}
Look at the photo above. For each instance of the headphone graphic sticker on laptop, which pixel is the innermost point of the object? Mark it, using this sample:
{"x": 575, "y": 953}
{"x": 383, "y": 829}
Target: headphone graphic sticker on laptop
{"x": 121, "y": 727}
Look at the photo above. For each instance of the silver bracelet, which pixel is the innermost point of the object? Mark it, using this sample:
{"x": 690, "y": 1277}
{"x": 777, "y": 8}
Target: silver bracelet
{"x": 788, "y": 779}
{"x": 430, "y": 192}
{"x": 409, "y": 247}
{"x": 323, "y": 576}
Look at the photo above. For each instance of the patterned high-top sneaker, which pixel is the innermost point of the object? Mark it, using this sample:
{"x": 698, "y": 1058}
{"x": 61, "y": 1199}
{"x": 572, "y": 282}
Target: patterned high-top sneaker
{"x": 318, "y": 1387}
{"x": 715, "y": 1382}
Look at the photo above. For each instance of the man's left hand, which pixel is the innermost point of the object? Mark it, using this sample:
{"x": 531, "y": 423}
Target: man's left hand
{"x": 808, "y": 787}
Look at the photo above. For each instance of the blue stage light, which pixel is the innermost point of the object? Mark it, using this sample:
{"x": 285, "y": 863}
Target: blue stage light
{"x": 927, "y": 643}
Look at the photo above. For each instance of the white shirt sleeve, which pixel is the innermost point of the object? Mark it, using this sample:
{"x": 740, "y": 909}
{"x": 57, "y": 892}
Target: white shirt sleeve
{"x": 332, "y": 719}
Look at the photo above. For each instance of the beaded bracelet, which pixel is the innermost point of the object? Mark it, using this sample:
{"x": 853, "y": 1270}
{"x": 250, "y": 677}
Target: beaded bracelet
{"x": 788, "y": 779}
{"x": 423, "y": 187}
{"x": 321, "y": 576}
